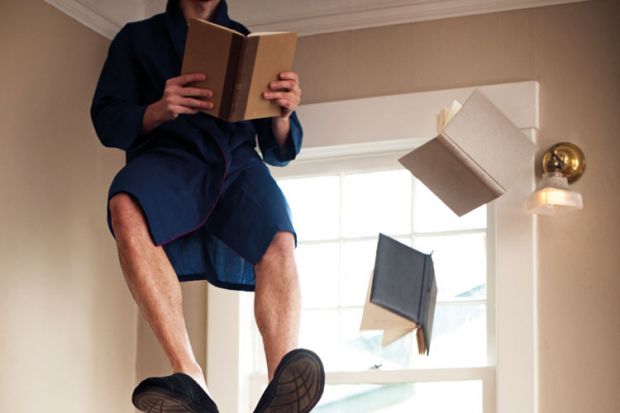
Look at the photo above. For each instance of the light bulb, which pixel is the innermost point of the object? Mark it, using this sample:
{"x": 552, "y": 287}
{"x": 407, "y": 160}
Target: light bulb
{"x": 552, "y": 196}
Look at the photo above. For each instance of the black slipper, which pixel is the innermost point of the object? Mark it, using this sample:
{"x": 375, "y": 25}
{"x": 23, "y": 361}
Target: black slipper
{"x": 178, "y": 393}
{"x": 297, "y": 384}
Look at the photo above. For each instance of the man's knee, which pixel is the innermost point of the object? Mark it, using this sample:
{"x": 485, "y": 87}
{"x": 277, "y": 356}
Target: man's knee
{"x": 281, "y": 248}
{"x": 125, "y": 213}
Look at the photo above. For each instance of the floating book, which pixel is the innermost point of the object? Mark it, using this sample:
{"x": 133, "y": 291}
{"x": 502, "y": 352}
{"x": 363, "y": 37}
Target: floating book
{"x": 239, "y": 68}
{"x": 476, "y": 156}
{"x": 402, "y": 294}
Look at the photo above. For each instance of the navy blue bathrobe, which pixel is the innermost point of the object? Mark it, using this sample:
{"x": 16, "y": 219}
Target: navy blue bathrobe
{"x": 179, "y": 172}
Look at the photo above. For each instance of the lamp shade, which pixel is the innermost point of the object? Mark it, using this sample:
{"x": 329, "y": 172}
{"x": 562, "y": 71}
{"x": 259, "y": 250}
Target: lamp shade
{"x": 552, "y": 196}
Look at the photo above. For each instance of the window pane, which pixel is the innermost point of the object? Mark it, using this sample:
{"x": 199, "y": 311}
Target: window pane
{"x": 436, "y": 397}
{"x": 458, "y": 340}
{"x": 315, "y": 204}
{"x": 358, "y": 260}
{"x": 459, "y": 337}
{"x": 319, "y": 331}
{"x": 431, "y": 214}
{"x": 377, "y": 202}
{"x": 460, "y": 264}
{"x": 318, "y": 274}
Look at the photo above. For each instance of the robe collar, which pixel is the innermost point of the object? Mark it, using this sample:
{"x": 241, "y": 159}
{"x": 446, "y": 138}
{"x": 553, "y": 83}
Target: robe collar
{"x": 177, "y": 26}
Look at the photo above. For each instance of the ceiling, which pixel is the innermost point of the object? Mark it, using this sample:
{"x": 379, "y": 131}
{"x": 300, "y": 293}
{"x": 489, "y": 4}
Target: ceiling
{"x": 302, "y": 16}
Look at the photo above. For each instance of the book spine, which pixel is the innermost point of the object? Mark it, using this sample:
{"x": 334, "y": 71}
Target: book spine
{"x": 423, "y": 309}
{"x": 472, "y": 165}
{"x": 234, "y": 57}
{"x": 427, "y": 304}
{"x": 243, "y": 78}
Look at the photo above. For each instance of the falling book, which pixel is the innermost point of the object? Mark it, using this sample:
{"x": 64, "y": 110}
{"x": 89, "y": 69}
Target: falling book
{"x": 476, "y": 156}
{"x": 239, "y": 68}
{"x": 402, "y": 294}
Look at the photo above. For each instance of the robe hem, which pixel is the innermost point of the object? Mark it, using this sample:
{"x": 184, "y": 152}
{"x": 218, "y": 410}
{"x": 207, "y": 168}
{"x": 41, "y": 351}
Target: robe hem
{"x": 137, "y": 200}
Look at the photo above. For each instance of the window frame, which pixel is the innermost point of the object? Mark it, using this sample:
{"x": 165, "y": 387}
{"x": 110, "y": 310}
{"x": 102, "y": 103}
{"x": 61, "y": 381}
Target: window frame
{"x": 371, "y": 132}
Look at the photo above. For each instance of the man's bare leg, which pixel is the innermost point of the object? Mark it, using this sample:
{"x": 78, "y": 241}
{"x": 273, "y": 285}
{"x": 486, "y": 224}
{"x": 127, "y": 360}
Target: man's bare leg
{"x": 153, "y": 284}
{"x": 277, "y": 300}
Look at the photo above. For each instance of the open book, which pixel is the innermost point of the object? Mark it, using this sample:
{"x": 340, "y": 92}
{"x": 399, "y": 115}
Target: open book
{"x": 475, "y": 157}
{"x": 238, "y": 68}
{"x": 402, "y": 294}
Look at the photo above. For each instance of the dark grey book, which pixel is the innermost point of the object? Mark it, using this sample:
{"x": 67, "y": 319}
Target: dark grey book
{"x": 404, "y": 283}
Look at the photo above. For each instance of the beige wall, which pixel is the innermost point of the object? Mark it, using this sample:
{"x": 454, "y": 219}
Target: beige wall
{"x": 74, "y": 328}
{"x": 574, "y": 52}
{"x": 68, "y": 323}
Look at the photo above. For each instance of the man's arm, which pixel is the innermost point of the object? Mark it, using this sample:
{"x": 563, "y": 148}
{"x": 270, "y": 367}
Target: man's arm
{"x": 116, "y": 109}
{"x": 118, "y": 113}
{"x": 281, "y": 128}
{"x": 287, "y": 94}
{"x": 280, "y": 137}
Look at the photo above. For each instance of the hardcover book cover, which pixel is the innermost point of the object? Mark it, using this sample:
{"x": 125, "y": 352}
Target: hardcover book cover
{"x": 238, "y": 68}
{"x": 402, "y": 295}
{"x": 474, "y": 158}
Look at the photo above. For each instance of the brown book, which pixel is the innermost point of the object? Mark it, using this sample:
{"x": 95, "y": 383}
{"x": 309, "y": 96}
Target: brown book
{"x": 239, "y": 68}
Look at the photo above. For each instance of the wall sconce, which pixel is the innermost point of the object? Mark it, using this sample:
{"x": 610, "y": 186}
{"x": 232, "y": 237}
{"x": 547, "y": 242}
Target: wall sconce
{"x": 563, "y": 163}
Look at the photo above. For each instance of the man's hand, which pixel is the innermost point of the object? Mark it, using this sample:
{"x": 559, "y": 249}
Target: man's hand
{"x": 177, "y": 100}
{"x": 287, "y": 94}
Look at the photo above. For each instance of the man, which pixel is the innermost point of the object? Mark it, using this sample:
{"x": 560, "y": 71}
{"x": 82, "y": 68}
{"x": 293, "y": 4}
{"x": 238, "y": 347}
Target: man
{"x": 196, "y": 201}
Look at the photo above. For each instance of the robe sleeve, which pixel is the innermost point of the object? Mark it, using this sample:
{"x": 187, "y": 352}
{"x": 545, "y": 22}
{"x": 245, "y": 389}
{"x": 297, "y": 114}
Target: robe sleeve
{"x": 117, "y": 110}
{"x": 274, "y": 154}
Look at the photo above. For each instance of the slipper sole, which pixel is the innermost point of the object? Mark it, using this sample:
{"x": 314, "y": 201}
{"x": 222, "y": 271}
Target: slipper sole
{"x": 299, "y": 385}
{"x": 157, "y": 400}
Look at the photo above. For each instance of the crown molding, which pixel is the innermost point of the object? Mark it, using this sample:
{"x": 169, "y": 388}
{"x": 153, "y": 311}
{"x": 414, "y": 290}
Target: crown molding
{"x": 305, "y": 18}
{"x": 89, "y": 17}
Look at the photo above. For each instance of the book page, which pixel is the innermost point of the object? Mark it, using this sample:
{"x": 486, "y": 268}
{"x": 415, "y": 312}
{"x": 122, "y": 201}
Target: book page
{"x": 264, "y": 33}
{"x": 215, "y": 26}
{"x": 446, "y": 114}
{"x": 273, "y": 54}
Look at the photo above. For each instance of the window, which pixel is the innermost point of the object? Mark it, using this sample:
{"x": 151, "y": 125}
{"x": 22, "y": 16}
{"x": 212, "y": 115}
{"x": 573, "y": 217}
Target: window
{"x": 338, "y": 217}
{"x": 483, "y": 351}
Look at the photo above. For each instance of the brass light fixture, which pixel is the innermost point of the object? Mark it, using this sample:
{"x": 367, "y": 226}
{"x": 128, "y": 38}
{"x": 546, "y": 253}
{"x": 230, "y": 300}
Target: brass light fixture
{"x": 562, "y": 164}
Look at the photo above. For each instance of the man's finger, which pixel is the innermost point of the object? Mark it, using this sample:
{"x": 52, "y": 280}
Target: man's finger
{"x": 283, "y": 85}
{"x": 289, "y": 75}
{"x": 195, "y": 103}
{"x": 290, "y": 97}
{"x": 186, "y": 78}
{"x": 285, "y": 103}
{"x": 274, "y": 95}
{"x": 195, "y": 91}
{"x": 184, "y": 109}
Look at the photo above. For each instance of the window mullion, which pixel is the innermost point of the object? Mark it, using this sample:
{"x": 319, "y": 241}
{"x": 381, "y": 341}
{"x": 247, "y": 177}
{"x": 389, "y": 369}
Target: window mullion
{"x": 408, "y": 375}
